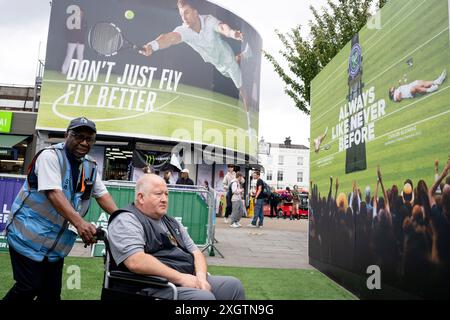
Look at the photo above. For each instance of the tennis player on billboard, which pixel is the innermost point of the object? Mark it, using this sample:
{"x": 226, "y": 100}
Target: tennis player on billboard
{"x": 415, "y": 88}
{"x": 203, "y": 34}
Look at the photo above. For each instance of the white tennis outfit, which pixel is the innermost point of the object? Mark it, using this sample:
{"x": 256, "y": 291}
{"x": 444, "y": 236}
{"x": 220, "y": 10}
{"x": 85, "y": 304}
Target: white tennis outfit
{"x": 209, "y": 44}
{"x": 405, "y": 90}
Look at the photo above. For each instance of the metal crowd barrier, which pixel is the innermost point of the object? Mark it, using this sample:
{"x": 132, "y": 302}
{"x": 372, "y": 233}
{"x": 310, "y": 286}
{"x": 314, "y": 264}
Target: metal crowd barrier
{"x": 192, "y": 206}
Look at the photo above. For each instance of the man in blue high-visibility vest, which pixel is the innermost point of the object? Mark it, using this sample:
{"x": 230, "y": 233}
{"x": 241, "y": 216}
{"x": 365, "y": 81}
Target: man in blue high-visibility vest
{"x": 48, "y": 212}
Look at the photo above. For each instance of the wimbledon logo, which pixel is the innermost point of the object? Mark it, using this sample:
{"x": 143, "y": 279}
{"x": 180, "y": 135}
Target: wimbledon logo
{"x": 355, "y": 60}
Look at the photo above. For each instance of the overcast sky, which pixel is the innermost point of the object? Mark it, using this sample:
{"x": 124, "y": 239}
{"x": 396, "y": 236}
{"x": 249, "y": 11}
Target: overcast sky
{"x": 24, "y": 28}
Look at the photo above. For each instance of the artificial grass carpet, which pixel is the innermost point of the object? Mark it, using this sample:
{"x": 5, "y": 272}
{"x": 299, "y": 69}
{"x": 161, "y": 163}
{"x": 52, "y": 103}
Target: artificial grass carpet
{"x": 259, "y": 283}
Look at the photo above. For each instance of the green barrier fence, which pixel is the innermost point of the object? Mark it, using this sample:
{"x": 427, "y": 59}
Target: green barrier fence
{"x": 187, "y": 205}
{"x": 191, "y": 206}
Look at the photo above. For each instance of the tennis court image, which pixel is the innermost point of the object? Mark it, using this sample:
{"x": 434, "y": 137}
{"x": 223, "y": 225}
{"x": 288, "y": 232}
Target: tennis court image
{"x": 189, "y": 114}
{"x": 407, "y": 135}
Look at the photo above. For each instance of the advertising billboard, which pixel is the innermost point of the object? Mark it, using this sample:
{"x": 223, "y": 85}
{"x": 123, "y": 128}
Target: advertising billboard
{"x": 169, "y": 70}
{"x": 380, "y": 114}
{"x": 9, "y": 187}
{"x": 5, "y": 121}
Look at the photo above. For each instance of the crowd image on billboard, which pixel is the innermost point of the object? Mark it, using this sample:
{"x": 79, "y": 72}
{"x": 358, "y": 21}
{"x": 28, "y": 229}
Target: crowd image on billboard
{"x": 404, "y": 229}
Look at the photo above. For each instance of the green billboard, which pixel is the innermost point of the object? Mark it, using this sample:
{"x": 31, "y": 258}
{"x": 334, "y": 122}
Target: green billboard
{"x": 140, "y": 69}
{"x": 380, "y": 112}
{"x": 403, "y": 137}
{"x": 5, "y": 121}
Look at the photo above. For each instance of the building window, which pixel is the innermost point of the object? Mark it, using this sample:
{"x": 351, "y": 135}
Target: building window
{"x": 281, "y": 160}
{"x": 299, "y": 161}
{"x": 269, "y": 175}
{"x": 12, "y": 157}
{"x": 280, "y": 175}
{"x": 118, "y": 163}
{"x": 299, "y": 176}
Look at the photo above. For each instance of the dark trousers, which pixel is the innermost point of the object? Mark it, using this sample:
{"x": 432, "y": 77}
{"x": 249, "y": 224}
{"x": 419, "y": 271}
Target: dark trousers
{"x": 228, "y": 209}
{"x": 273, "y": 209}
{"x": 41, "y": 280}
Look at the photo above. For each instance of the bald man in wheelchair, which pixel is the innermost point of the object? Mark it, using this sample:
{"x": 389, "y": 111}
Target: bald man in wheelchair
{"x": 144, "y": 240}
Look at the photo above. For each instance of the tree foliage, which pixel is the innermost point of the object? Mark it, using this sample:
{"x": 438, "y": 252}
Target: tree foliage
{"x": 332, "y": 28}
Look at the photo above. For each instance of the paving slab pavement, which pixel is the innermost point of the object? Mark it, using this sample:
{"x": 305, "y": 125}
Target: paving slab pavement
{"x": 279, "y": 244}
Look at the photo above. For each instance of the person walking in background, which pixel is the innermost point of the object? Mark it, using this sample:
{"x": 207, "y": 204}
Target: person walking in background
{"x": 167, "y": 176}
{"x": 251, "y": 200}
{"x": 244, "y": 204}
{"x": 48, "y": 212}
{"x": 274, "y": 200}
{"x": 259, "y": 202}
{"x": 286, "y": 198}
{"x": 184, "y": 178}
{"x": 230, "y": 176}
{"x": 295, "y": 203}
{"x": 236, "y": 200}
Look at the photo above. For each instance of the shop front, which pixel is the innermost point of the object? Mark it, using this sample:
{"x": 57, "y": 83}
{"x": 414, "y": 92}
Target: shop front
{"x": 16, "y": 141}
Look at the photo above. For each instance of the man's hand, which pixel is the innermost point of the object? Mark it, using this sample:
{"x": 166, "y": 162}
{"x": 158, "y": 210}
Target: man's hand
{"x": 86, "y": 231}
{"x": 238, "y": 35}
{"x": 189, "y": 281}
{"x": 204, "y": 284}
{"x": 146, "y": 50}
{"x": 379, "y": 173}
{"x": 446, "y": 168}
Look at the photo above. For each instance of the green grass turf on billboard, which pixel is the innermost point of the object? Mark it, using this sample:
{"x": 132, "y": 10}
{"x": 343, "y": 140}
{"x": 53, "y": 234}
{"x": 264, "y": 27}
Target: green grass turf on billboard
{"x": 408, "y": 41}
{"x": 187, "y": 114}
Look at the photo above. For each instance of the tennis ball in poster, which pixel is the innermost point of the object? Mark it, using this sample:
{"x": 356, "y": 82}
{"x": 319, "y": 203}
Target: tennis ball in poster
{"x": 129, "y": 14}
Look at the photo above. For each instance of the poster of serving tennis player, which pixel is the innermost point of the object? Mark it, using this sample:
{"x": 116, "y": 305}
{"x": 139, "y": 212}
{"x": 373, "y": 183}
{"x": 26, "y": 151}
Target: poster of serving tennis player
{"x": 182, "y": 70}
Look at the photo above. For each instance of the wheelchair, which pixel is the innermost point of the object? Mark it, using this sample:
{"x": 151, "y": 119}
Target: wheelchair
{"x": 120, "y": 285}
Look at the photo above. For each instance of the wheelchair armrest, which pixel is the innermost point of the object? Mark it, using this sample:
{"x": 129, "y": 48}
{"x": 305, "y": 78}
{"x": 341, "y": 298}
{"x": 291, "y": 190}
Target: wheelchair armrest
{"x": 150, "y": 280}
{"x": 129, "y": 276}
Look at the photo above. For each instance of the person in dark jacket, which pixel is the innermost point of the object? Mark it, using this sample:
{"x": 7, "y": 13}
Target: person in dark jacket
{"x": 184, "y": 179}
{"x": 274, "y": 200}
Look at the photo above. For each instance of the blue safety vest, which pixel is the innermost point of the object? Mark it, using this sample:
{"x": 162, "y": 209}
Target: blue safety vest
{"x": 35, "y": 229}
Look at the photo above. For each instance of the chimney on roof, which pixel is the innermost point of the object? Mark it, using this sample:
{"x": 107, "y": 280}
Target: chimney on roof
{"x": 287, "y": 141}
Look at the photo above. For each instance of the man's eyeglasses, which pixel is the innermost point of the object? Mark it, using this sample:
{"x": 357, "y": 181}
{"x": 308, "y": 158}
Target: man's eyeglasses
{"x": 80, "y": 137}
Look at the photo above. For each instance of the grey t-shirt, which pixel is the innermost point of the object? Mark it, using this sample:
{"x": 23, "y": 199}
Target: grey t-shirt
{"x": 126, "y": 236}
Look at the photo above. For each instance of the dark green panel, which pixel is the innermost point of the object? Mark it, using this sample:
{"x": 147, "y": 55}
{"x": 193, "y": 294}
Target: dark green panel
{"x": 188, "y": 206}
